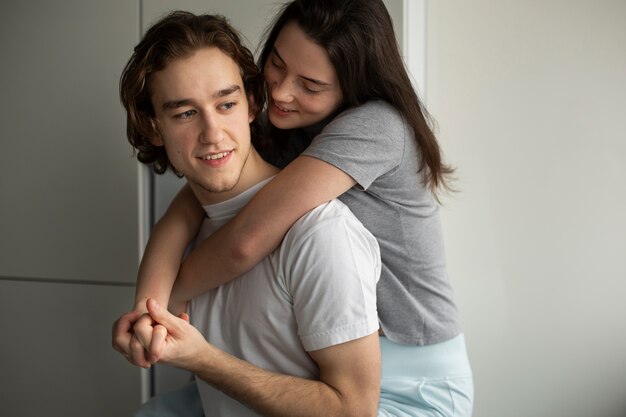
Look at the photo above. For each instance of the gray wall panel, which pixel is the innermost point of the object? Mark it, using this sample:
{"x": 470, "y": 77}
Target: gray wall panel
{"x": 56, "y": 357}
{"x": 67, "y": 178}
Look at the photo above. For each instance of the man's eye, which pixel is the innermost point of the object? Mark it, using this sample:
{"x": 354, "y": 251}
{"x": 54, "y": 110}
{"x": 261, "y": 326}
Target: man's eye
{"x": 186, "y": 115}
{"x": 227, "y": 106}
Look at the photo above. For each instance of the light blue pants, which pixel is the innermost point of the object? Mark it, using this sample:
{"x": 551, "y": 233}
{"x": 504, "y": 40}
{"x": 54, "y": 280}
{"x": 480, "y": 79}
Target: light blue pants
{"x": 426, "y": 381}
{"x": 417, "y": 381}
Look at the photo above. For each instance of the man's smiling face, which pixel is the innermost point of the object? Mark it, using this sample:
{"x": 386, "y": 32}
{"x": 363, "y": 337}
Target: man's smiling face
{"x": 203, "y": 119}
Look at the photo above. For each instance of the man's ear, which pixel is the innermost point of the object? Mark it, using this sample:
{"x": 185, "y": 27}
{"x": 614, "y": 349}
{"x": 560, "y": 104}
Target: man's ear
{"x": 155, "y": 137}
{"x": 156, "y": 141}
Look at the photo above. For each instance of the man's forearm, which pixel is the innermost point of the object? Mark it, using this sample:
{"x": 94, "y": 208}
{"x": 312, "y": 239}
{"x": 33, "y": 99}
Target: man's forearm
{"x": 275, "y": 395}
{"x": 348, "y": 385}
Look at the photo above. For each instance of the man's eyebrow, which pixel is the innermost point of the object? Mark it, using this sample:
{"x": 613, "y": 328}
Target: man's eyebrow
{"x": 174, "y": 104}
{"x": 177, "y": 103}
{"x": 313, "y": 80}
{"x": 227, "y": 91}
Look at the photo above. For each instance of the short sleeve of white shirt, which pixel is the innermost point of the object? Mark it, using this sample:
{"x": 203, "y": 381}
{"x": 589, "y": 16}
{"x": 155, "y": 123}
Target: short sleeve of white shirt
{"x": 330, "y": 264}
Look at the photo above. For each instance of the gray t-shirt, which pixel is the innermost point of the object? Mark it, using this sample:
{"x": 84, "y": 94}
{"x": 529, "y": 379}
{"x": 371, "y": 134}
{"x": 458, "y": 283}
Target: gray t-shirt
{"x": 373, "y": 144}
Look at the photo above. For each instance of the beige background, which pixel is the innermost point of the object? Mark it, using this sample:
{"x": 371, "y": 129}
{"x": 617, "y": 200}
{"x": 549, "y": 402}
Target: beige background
{"x": 530, "y": 98}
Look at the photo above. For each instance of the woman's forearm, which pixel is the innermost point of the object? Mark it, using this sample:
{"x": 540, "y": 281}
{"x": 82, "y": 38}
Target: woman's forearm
{"x": 159, "y": 267}
{"x": 165, "y": 249}
{"x": 260, "y": 226}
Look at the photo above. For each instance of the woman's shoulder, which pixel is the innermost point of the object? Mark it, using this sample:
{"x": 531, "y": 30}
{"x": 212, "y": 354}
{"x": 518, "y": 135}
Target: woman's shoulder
{"x": 372, "y": 109}
{"x": 371, "y": 118}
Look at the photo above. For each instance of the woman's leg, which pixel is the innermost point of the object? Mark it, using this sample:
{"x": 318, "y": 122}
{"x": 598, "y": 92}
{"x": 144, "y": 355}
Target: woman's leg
{"x": 426, "y": 381}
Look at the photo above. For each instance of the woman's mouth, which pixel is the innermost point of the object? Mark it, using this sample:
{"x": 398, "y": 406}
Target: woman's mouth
{"x": 279, "y": 109}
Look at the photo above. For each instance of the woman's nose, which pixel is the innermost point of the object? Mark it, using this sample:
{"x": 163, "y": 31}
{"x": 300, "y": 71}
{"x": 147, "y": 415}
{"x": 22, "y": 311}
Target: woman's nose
{"x": 281, "y": 90}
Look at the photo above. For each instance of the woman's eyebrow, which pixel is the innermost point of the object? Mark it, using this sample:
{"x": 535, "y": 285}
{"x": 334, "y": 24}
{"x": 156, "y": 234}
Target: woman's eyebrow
{"x": 278, "y": 55}
{"x": 313, "y": 80}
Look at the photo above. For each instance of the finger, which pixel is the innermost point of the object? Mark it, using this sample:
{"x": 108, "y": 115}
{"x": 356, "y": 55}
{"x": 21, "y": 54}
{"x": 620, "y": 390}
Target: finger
{"x": 157, "y": 343}
{"x": 144, "y": 319}
{"x": 126, "y": 321}
{"x": 164, "y": 317}
{"x": 121, "y": 332}
{"x": 143, "y": 330}
{"x": 184, "y": 316}
{"x": 128, "y": 357}
{"x": 137, "y": 353}
{"x": 123, "y": 324}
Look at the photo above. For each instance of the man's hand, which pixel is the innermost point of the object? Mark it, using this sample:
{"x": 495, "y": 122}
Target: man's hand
{"x": 169, "y": 339}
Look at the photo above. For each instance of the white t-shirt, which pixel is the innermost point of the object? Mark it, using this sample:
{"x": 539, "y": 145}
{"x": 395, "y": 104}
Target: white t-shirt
{"x": 316, "y": 290}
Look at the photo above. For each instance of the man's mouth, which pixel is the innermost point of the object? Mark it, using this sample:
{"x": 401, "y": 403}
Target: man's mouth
{"x": 215, "y": 156}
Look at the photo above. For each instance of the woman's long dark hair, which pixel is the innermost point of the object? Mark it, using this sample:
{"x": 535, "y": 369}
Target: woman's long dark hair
{"x": 359, "y": 38}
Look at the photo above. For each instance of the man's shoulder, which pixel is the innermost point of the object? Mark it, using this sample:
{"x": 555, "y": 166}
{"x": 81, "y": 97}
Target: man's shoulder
{"x": 328, "y": 221}
{"x": 324, "y": 215}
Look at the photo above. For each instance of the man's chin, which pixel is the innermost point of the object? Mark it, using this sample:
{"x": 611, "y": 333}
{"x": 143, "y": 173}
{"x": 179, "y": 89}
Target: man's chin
{"x": 209, "y": 192}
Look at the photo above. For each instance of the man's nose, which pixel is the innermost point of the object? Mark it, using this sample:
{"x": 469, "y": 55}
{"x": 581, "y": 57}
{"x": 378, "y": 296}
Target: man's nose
{"x": 211, "y": 129}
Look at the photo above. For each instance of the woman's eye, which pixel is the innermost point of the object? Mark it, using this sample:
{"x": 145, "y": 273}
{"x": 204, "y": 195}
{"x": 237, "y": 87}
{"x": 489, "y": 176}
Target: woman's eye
{"x": 276, "y": 64}
{"x": 310, "y": 90}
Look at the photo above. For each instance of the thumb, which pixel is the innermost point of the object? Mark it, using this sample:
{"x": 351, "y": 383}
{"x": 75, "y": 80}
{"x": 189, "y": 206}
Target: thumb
{"x": 161, "y": 315}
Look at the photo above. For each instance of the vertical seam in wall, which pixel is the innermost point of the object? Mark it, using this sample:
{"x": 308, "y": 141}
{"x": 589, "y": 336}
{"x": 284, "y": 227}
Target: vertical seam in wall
{"x": 414, "y": 42}
{"x": 140, "y": 14}
{"x": 145, "y": 219}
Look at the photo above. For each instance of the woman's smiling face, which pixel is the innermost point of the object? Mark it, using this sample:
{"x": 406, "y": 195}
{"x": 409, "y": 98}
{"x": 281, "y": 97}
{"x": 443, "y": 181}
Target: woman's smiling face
{"x": 302, "y": 82}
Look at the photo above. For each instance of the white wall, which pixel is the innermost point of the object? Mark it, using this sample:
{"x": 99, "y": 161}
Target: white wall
{"x": 530, "y": 100}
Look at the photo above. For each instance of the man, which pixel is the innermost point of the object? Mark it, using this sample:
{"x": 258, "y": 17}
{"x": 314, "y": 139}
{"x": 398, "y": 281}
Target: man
{"x": 295, "y": 336}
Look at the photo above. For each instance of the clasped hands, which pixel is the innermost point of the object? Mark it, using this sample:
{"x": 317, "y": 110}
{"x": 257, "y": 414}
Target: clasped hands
{"x": 156, "y": 335}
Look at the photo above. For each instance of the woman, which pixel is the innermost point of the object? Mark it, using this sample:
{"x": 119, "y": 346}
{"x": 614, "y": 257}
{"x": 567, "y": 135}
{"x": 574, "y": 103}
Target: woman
{"x": 345, "y": 122}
